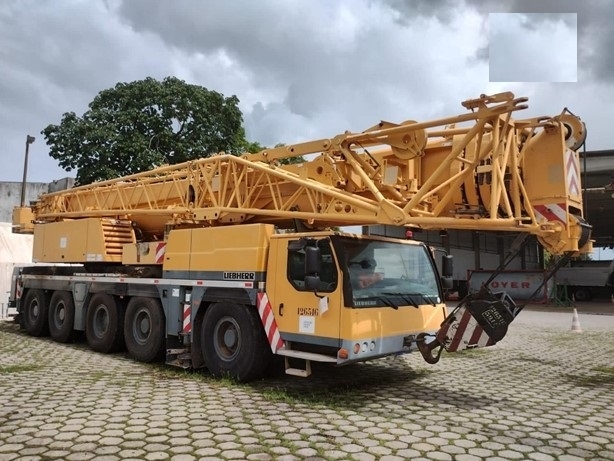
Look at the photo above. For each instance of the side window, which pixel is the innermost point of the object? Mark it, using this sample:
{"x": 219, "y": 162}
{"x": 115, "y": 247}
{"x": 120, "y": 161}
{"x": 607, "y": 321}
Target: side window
{"x": 296, "y": 267}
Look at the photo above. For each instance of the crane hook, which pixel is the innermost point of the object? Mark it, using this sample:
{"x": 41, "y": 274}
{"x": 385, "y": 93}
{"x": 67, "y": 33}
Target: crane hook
{"x": 426, "y": 349}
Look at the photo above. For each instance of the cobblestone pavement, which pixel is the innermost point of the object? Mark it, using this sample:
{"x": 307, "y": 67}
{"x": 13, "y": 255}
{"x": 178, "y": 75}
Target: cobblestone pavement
{"x": 543, "y": 393}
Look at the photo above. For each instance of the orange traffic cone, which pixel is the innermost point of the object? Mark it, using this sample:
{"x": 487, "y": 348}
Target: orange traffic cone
{"x": 575, "y": 322}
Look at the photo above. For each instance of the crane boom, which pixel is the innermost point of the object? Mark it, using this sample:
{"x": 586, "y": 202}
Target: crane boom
{"x": 481, "y": 170}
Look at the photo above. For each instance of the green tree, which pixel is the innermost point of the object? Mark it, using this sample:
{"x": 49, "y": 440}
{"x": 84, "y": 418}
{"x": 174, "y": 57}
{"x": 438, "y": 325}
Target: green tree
{"x": 137, "y": 126}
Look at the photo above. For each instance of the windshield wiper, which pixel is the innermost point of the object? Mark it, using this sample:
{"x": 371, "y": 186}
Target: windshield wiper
{"x": 430, "y": 299}
{"x": 387, "y": 302}
{"x": 406, "y": 297}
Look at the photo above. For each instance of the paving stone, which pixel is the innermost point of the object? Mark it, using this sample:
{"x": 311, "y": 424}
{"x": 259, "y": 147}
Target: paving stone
{"x": 465, "y": 417}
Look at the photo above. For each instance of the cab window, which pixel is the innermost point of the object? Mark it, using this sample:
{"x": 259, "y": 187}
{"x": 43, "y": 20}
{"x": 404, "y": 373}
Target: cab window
{"x": 296, "y": 266}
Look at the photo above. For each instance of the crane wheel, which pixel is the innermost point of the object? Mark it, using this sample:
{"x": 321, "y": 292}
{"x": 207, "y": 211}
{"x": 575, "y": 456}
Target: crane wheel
{"x": 34, "y": 313}
{"x": 61, "y": 316}
{"x": 144, "y": 330}
{"x": 233, "y": 342}
{"x": 104, "y": 324}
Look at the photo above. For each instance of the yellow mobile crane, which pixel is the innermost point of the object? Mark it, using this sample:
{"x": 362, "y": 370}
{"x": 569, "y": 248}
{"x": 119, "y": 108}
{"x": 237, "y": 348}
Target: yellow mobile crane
{"x": 224, "y": 261}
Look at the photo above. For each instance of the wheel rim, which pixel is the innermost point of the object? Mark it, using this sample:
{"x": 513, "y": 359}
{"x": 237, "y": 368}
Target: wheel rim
{"x": 227, "y": 339}
{"x": 141, "y": 326}
{"x": 59, "y": 314}
{"x": 101, "y": 320}
{"x": 34, "y": 311}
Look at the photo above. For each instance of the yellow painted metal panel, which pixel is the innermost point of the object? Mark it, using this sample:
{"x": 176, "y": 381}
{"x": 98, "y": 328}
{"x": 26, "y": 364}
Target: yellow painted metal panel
{"x": 69, "y": 242}
{"x": 221, "y": 249}
{"x": 296, "y": 311}
{"x": 366, "y": 323}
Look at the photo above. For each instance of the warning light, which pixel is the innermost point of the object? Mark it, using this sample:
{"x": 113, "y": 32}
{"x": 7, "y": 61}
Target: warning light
{"x": 409, "y": 234}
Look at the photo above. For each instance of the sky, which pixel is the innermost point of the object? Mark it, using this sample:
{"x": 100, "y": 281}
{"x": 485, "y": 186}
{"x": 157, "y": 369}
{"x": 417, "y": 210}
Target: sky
{"x": 303, "y": 69}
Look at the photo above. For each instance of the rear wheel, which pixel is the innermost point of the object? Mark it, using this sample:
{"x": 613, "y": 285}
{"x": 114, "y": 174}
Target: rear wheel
{"x": 61, "y": 316}
{"x": 233, "y": 342}
{"x": 104, "y": 324}
{"x": 144, "y": 329}
{"x": 35, "y": 313}
{"x": 582, "y": 294}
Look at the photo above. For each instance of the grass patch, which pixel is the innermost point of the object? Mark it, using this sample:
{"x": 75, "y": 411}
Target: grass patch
{"x": 339, "y": 392}
{"x": 525, "y": 358}
{"x": 464, "y": 354}
{"x": 604, "y": 369}
{"x": 161, "y": 370}
{"x": 19, "y": 368}
{"x": 603, "y": 376}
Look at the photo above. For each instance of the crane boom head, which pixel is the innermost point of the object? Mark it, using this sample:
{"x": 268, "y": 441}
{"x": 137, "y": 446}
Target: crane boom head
{"x": 479, "y": 170}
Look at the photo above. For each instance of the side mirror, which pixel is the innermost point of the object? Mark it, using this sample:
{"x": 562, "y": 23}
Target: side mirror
{"x": 447, "y": 272}
{"x": 447, "y": 283}
{"x": 447, "y": 266}
{"x": 312, "y": 282}
{"x": 313, "y": 261}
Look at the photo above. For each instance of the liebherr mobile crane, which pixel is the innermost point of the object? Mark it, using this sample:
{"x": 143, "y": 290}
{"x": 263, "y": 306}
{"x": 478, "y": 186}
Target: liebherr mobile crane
{"x": 224, "y": 261}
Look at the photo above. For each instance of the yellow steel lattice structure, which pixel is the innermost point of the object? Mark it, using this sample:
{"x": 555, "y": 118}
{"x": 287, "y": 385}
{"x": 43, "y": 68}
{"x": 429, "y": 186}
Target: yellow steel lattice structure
{"x": 478, "y": 170}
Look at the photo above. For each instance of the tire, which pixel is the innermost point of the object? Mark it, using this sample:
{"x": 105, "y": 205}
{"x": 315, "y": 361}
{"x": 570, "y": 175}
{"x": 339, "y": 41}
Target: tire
{"x": 144, "y": 329}
{"x": 61, "y": 316}
{"x": 104, "y": 324}
{"x": 234, "y": 343}
{"x": 582, "y": 294}
{"x": 34, "y": 313}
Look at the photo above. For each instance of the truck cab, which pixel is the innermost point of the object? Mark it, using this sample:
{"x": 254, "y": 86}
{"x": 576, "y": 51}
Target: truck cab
{"x": 352, "y": 297}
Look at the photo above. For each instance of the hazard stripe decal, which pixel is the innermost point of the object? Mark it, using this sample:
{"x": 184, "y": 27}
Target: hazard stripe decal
{"x": 573, "y": 176}
{"x": 463, "y": 332}
{"x": 551, "y": 212}
{"x": 187, "y": 318}
{"x": 268, "y": 321}
{"x": 160, "y": 251}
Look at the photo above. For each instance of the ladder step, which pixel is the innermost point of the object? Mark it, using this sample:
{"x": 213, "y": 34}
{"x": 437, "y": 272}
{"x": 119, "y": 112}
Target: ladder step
{"x": 298, "y": 372}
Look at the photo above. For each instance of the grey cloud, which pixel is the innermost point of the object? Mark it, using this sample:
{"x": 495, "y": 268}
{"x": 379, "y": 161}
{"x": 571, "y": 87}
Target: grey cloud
{"x": 409, "y": 10}
{"x": 594, "y": 17}
{"x": 317, "y": 55}
{"x": 595, "y": 33}
{"x": 482, "y": 53}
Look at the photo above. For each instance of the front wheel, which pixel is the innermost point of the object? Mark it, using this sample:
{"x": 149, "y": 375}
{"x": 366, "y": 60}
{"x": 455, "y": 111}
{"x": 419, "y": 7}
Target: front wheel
{"x": 104, "y": 324}
{"x": 61, "y": 316}
{"x": 233, "y": 342}
{"x": 144, "y": 329}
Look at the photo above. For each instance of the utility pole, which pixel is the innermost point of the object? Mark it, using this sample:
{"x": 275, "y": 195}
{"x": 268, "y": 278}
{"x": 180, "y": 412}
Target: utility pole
{"x": 29, "y": 140}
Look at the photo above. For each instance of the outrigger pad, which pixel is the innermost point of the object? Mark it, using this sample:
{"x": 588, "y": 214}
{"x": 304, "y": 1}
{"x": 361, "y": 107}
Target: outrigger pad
{"x": 478, "y": 322}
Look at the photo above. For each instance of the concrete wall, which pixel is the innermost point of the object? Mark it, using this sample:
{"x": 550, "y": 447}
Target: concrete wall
{"x": 10, "y": 196}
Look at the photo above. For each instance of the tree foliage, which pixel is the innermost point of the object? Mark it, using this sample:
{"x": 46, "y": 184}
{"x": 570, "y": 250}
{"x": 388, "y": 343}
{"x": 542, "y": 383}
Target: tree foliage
{"x": 139, "y": 125}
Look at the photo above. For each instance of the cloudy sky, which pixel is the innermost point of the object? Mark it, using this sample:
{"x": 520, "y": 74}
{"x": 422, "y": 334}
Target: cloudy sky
{"x": 303, "y": 69}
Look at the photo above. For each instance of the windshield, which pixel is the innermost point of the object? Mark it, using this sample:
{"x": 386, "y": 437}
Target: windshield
{"x": 386, "y": 273}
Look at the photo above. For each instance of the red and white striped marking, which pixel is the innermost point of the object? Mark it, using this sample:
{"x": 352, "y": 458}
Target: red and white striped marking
{"x": 551, "y": 212}
{"x": 160, "y": 251}
{"x": 18, "y": 288}
{"x": 573, "y": 174}
{"x": 463, "y": 332}
{"x": 187, "y": 318}
{"x": 268, "y": 321}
